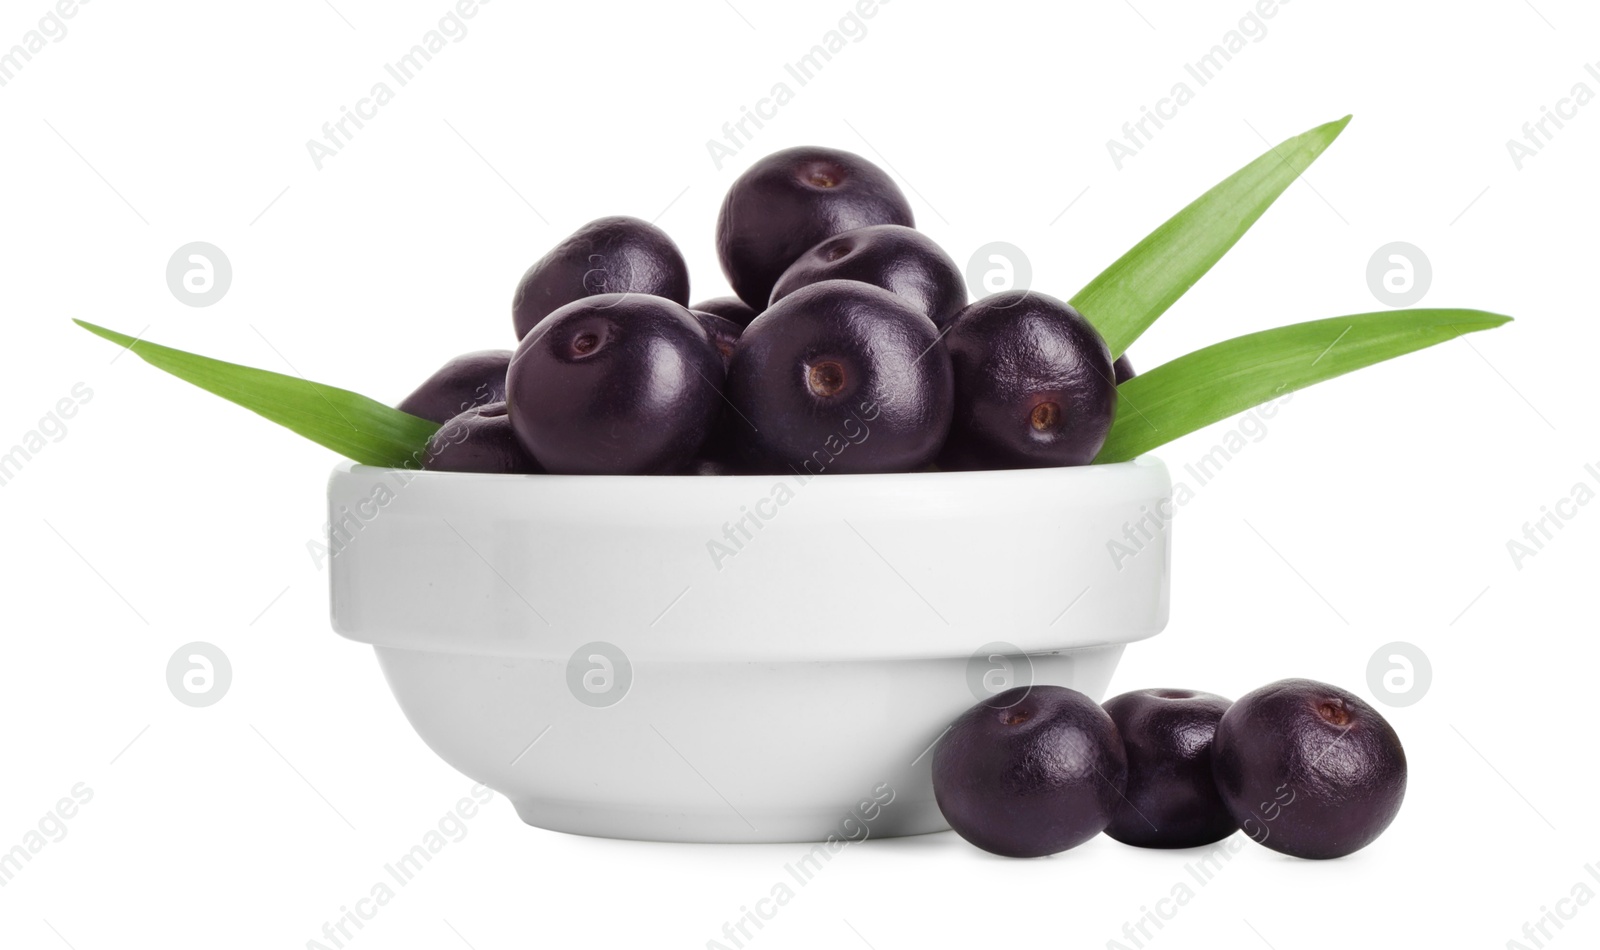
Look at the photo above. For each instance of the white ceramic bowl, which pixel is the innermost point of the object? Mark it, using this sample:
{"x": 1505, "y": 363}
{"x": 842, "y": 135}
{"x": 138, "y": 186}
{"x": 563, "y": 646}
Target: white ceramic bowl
{"x": 743, "y": 658}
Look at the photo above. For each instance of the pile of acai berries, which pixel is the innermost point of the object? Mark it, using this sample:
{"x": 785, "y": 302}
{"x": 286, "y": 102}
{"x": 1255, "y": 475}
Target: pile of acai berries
{"x": 850, "y": 348}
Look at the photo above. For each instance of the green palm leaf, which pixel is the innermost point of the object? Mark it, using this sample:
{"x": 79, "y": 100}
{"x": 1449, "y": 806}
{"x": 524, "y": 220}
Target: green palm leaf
{"x": 1216, "y": 382}
{"x": 1129, "y": 295}
{"x": 356, "y": 427}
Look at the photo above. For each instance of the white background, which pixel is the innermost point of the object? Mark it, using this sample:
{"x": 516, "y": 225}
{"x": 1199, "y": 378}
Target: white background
{"x": 1377, "y": 507}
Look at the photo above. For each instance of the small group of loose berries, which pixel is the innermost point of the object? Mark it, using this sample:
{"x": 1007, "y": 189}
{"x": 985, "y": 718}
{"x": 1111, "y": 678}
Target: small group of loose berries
{"x": 1301, "y": 767}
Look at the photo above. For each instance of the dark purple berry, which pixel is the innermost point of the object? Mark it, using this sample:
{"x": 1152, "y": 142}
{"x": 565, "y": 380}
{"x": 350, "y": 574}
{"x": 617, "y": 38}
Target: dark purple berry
{"x": 479, "y": 440}
{"x": 1030, "y": 771}
{"x": 786, "y": 203}
{"x": 618, "y": 384}
{"x": 1308, "y": 769}
{"x": 612, "y": 255}
{"x": 731, "y": 308}
{"x": 724, "y": 333}
{"x": 1034, "y": 385}
{"x": 838, "y": 378}
{"x": 1122, "y": 369}
{"x": 471, "y": 379}
{"x": 901, "y": 260}
{"x": 1170, "y": 800}
{"x": 708, "y": 466}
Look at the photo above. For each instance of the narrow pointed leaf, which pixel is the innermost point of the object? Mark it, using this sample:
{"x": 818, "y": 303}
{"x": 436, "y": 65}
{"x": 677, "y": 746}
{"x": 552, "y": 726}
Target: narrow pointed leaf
{"x": 1227, "y": 378}
{"x": 356, "y": 427}
{"x": 1129, "y": 295}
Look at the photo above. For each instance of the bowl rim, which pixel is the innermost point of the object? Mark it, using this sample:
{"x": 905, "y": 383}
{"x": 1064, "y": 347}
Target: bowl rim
{"x": 1146, "y": 461}
{"x": 526, "y": 516}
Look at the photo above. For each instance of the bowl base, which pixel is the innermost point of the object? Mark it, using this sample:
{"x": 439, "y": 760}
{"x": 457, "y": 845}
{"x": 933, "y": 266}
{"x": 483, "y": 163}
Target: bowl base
{"x": 719, "y": 827}
{"x": 713, "y": 752}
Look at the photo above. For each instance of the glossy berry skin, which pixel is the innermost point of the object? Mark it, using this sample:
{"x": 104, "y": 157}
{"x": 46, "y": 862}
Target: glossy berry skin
{"x": 471, "y": 379}
{"x": 1030, "y": 771}
{"x": 717, "y": 453}
{"x": 479, "y": 440}
{"x": 724, "y": 333}
{"x": 1308, "y": 769}
{"x": 729, "y": 308}
{"x": 1122, "y": 369}
{"x": 838, "y": 378}
{"x": 901, "y": 260}
{"x": 616, "y": 384}
{"x": 1034, "y": 385}
{"x": 610, "y": 255}
{"x": 708, "y": 466}
{"x": 786, "y": 203}
{"x": 1171, "y": 800}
